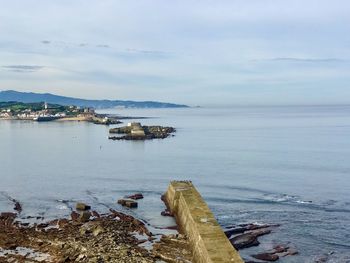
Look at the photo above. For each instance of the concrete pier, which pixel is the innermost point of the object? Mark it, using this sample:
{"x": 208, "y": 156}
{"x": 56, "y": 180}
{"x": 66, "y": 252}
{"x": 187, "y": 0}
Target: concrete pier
{"x": 194, "y": 218}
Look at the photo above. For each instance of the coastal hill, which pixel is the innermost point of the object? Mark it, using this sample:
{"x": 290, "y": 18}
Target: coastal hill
{"x": 30, "y": 97}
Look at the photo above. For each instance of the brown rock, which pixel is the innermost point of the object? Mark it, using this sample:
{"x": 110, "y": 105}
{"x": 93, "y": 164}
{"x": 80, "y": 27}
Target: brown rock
{"x": 95, "y": 214}
{"x": 162, "y": 197}
{"x": 121, "y": 202}
{"x": 266, "y": 256}
{"x": 131, "y": 204}
{"x": 259, "y": 232}
{"x": 10, "y": 246}
{"x": 166, "y": 213}
{"x": 74, "y": 215}
{"x": 235, "y": 230}
{"x": 82, "y": 207}
{"x": 128, "y": 203}
{"x": 171, "y": 227}
{"x": 42, "y": 225}
{"x": 7, "y": 215}
{"x": 244, "y": 241}
{"x": 62, "y": 222}
{"x": 137, "y": 222}
{"x": 244, "y": 228}
{"x": 279, "y": 249}
{"x": 84, "y": 216}
{"x": 53, "y": 222}
{"x": 18, "y": 206}
{"x": 135, "y": 196}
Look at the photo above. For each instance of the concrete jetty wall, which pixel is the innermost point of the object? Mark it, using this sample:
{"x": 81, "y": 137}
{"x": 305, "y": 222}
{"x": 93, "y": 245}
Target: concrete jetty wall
{"x": 194, "y": 218}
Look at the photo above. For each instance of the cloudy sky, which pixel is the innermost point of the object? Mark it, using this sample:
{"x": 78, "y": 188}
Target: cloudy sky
{"x": 208, "y": 52}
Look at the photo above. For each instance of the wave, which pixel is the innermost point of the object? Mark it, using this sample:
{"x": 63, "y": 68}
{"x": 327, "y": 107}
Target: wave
{"x": 280, "y": 200}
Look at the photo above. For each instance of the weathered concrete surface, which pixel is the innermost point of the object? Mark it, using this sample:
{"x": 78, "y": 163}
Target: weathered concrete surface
{"x": 194, "y": 218}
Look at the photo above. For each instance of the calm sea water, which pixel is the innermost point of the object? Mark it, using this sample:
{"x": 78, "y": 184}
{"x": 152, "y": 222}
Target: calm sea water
{"x": 285, "y": 165}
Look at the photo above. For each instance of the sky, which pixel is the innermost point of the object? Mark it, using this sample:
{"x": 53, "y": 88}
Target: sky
{"x": 208, "y": 52}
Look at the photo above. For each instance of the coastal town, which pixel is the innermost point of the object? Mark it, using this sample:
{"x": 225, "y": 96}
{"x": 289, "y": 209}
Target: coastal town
{"x": 44, "y": 112}
{"x": 52, "y": 112}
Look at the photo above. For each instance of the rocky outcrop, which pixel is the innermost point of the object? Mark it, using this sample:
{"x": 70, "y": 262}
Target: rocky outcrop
{"x": 108, "y": 237}
{"x": 128, "y": 203}
{"x": 103, "y": 120}
{"x": 276, "y": 253}
{"x": 141, "y": 132}
{"x": 267, "y": 256}
{"x": 136, "y": 196}
{"x": 246, "y": 235}
{"x": 82, "y": 206}
{"x": 16, "y": 204}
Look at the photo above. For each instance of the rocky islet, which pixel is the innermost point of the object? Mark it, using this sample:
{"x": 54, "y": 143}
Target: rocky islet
{"x": 135, "y": 131}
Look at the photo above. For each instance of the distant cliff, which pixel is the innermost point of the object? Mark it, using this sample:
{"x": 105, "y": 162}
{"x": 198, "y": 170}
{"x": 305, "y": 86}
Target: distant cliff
{"x": 29, "y": 97}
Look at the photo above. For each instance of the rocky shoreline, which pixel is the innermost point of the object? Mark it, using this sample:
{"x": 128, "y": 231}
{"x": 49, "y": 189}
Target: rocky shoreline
{"x": 113, "y": 236}
{"x": 87, "y": 236}
{"x": 247, "y": 235}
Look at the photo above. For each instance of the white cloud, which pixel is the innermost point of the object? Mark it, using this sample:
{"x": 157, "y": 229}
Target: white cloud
{"x": 184, "y": 51}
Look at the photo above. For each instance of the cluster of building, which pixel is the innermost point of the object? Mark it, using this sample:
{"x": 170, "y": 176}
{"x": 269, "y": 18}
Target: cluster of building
{"x": 86, "y": 112}
{"x": 29, "y": 114}
{"x": 46, "y": 113}
{"x": 5, "y": 113}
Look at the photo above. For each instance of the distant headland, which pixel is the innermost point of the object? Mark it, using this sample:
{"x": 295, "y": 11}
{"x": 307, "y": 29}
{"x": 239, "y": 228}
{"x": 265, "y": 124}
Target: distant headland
{"x": 30, "y": 97}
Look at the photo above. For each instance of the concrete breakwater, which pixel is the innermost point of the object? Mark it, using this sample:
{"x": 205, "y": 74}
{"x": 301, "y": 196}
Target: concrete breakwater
{"x": 208, "y": 242}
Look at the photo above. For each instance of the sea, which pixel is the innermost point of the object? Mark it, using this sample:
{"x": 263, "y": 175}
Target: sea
{"x": 285, "y": 165}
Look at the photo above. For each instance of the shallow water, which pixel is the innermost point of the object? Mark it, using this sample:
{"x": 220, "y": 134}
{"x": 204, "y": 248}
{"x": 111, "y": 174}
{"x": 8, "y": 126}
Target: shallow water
{"x": 285, "y": 165}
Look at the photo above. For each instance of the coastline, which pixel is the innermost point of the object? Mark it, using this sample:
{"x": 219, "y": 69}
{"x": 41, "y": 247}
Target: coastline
{"x": 109, "y": 237}
{"x": 94, "y": 119}
{"x": 114, "y": 236}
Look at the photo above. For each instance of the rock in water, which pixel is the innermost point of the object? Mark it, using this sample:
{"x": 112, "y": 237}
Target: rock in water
{"x": 131, "y": 204}
{"x": 166, "y": 212}
{"x": 249, "y": 236}
{"x": 18, "y": 206}
{"x": 266, "y": 256}
{"x": 244, "y": 241}
{"x": 259, "y": 232}
{"x": 128, "y": 203}
{"x": 82, "y": 207}
{"x": 280, "y": 249}
{"x": 135, "y": 196}
{"x": 137, "y": 132}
